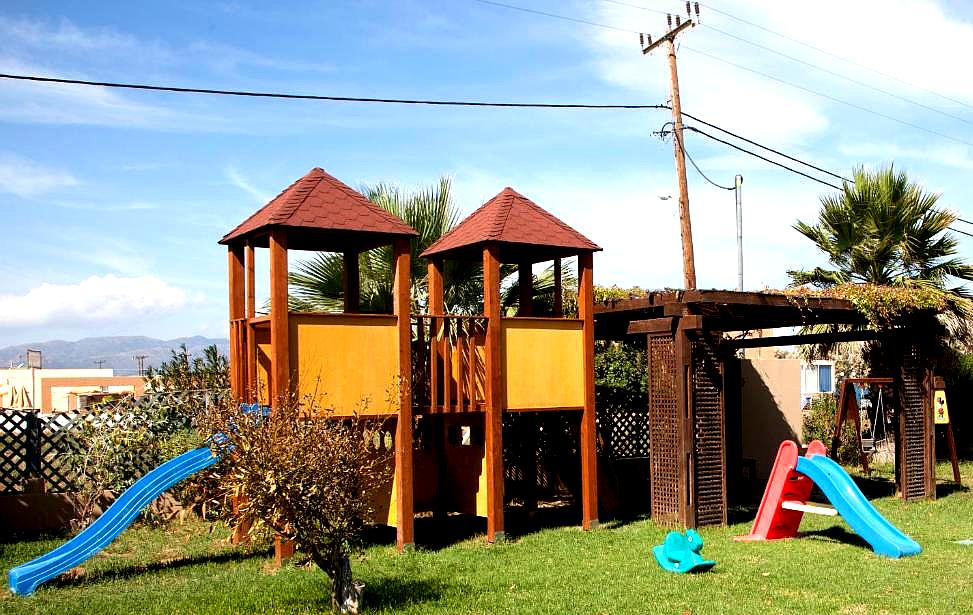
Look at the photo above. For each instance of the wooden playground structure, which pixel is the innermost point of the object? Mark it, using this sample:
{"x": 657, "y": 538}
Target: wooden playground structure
{"x": 448, "y": 383}
{"x": 444, "y": 381}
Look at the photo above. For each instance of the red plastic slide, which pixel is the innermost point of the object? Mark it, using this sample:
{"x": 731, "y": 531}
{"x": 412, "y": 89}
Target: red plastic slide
{"x": 785, "y": 485}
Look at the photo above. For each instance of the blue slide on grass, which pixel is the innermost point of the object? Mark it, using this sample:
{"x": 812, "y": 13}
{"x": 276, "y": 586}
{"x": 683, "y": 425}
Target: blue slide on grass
{"x": 855, "y": 509}
{"x": 25, "y": 579}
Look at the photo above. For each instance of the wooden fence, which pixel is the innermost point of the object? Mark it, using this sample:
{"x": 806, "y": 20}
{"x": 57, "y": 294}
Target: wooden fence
{"x": 42, "y": 447}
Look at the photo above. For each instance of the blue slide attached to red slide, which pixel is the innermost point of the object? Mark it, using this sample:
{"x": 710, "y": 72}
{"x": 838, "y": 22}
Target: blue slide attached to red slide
{"x": 25, "y": 579}
{"x": 855, "y": 509}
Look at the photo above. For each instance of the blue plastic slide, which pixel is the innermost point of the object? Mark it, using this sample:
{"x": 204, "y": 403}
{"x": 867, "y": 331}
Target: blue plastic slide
{"x": 25, "y": 579}
{"x": 857, "y": 511}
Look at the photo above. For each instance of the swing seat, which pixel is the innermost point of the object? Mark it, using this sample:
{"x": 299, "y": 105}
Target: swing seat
{"x": 868, "y": 445}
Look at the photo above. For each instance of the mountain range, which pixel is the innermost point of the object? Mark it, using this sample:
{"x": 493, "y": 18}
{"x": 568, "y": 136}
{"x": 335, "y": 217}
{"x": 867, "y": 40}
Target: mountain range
{"x": 117, "y": 352}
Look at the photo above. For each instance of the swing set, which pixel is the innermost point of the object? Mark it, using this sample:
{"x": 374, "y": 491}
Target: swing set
{"x": 852, "y": 400}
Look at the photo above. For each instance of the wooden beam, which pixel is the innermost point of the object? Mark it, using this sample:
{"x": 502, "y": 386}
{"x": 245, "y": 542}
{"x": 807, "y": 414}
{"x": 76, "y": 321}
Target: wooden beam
{"x": 279, "y": 327}
{"x": 251, "y": 283}
{"x": 351, "y": 282}
{"x": 558, "y": 290}
{"x": 401, "y": 306}
{"x": 652, "y": 325}
{"x": 236, "y": 310}
{"x": 525, "y": 284}
{"x": 802, "y": 339}
{"x": 589, "y": 453}
{"x": 493, "y": 427}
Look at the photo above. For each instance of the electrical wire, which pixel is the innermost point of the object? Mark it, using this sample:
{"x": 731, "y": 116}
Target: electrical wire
{"x": 556, "y": 16}
{"x": 244, "y": 93}
{"x": 764, "y": 158}
{"x": 682, "y": 146}
{"x": 828, "y": 96}
{"x": 834, "y": 55}
{"x": 764, "y": 147}
{"x": 837, "y": 74}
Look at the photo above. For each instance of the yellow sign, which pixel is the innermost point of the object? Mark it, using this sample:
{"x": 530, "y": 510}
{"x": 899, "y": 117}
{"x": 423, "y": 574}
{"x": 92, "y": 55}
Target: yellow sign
{"x": 940, "y": 408}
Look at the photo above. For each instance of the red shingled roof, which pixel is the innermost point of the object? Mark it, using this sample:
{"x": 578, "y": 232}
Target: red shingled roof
{"x": 318, "y": 205}
{"x": 523, "y": 229}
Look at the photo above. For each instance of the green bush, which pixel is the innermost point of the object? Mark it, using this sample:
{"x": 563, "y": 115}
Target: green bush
{"x": 818, "y": 424}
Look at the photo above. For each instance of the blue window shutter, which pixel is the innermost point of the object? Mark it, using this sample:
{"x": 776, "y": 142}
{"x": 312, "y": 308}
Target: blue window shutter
{"x": 824, "y": 378}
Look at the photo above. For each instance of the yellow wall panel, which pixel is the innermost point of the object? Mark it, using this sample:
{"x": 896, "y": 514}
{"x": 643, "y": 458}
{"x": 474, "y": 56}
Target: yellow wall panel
{"x": 348, "y": 363}
{"x": 542, "y": 363}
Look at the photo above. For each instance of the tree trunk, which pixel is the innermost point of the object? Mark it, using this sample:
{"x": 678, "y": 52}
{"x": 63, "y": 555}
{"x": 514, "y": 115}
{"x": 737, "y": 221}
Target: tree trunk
{"x": 346, "y": 593}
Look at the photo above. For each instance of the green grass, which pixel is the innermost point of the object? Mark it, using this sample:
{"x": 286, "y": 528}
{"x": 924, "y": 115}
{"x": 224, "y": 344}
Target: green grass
{"x": 190, "y": 569}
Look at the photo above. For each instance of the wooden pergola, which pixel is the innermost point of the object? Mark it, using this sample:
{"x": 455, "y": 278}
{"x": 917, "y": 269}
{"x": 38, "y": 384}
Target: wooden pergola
{"x": 694, "y": 396}
{"x": 278, "y": 357}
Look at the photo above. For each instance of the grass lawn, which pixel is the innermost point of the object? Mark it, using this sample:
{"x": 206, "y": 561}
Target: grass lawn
{"x": 190, "y": 569}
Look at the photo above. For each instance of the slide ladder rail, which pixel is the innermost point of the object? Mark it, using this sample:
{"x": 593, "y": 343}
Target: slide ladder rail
{"x": 855, "y": 509}
{"x": 24, "y": 579}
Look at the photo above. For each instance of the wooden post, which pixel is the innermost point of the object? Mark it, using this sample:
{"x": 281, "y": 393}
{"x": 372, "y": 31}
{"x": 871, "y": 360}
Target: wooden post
{"x": 250, "y": 394}
{"x": 589, "y": 453}
{"x": 493, "y": 426}
{"x": 435, "y": 287}
{"x": 236, "y": 302}
{"x": 351, "y": 281}
{"x": 279, "y": 328}
{"x": 280, "y": 349}
{"x": 684, "y": 402}
{"x": 558, "y": 290}
{"x": 525, "y": 283}
{"x": 685, "y": 226}
{"x": 402, "y": 304}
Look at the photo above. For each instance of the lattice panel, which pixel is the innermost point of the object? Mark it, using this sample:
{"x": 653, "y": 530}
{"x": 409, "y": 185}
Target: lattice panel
{"x": 708, "y": 433}
{"x": 664, "y": 432}
{"x": 13, "y": 449}
{"x": 624, "y": 431}
{"x": 915, "y": 436}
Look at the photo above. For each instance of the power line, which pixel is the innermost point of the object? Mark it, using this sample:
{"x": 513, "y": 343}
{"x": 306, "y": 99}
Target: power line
{"x": 253, "y": 94}
{"x": 829, "y": 97}
{"x": 964, "y": 221}
{"x": 682, "y": 146}
{"x": 556, "y": 16}
{"x": 764, "y": 158}
{"x": 835, "y": 56}
{"x": 764, "y": 147}
{"x": 837, "y": 74}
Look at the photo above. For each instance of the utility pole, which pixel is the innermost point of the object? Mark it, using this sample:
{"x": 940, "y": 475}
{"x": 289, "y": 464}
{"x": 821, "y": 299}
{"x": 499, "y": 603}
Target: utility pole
{"x": 141, "y": 361}
{"x": 738, "y": 187}
{"x": 685, "y": 225}
{"x": 100, "y": 363}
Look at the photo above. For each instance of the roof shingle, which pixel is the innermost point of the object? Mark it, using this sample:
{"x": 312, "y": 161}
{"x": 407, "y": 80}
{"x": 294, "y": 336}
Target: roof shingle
{"x": 519, "y": 225}
{"x": 319, "y": 202}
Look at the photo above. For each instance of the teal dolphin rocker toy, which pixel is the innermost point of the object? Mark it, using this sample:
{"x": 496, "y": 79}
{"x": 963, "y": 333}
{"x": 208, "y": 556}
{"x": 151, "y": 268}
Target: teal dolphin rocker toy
{"x": 680, "y": 553}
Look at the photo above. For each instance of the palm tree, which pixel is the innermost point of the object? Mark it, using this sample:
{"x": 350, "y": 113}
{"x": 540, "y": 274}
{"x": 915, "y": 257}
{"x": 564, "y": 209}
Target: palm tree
{"x": 887, "y": 231}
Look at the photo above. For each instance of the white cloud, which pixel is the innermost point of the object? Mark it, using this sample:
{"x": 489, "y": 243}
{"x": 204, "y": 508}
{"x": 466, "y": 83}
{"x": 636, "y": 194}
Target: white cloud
{"x": 98, "y": 299}
{"x": 237, "y": 179}
{"x": 949, "y": 155}
{"x": 25, "y": 178}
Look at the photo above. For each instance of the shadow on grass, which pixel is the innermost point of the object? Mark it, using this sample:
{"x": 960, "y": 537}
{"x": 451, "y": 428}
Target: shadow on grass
{"x": 392, "y": 593}
{"x": 949, "y": 488}
{"x": 837, "y": 533}
{"x": 125, "y": 572}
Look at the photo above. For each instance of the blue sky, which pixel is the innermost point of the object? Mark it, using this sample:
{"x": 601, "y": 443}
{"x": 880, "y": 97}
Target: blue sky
{"x": 112, "y": 201}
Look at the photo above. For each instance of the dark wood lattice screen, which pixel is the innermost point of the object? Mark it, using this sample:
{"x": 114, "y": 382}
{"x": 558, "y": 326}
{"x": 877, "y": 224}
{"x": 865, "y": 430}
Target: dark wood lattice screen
{"x": 916, "y": 466}
{"x": 664, "y": 428}
{"x": 624, "y": 431}
{"x": 708, "y": 433}
{"x": 15, "y": 426}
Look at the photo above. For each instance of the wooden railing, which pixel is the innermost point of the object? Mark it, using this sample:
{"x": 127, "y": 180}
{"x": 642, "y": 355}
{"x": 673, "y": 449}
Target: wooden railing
{"x": 238, "y": 357}
{"x": 448, "y": 363}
